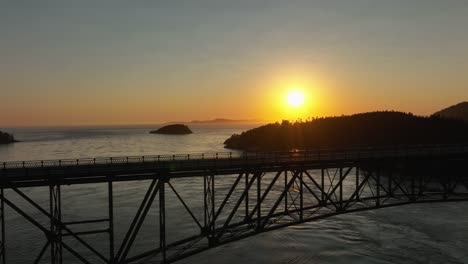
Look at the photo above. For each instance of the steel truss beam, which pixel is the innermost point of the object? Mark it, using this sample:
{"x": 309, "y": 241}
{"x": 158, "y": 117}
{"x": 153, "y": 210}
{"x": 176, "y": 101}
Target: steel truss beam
{"x": 255, "y": 201}
{"x": 54, "y": 234}
{"x": 302, "y": 202}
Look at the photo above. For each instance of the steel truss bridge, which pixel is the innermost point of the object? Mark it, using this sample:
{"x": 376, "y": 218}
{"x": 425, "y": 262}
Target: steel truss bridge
{"x": 261, "y": 192}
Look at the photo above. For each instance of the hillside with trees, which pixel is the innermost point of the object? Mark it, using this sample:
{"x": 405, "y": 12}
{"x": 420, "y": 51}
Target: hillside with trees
{"x": 6, "y": 138}
{"x": 366, "y": 129}
{"x": 458, "y": 111}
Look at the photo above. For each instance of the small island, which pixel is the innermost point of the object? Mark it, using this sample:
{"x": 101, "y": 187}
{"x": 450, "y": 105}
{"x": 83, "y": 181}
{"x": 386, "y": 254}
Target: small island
{"x": 6, "y": 138}
{"x": 175, "y": 129}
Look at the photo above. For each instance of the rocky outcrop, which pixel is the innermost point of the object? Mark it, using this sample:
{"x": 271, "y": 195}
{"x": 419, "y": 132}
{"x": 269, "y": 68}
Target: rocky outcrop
{"x": 176, "y": 129}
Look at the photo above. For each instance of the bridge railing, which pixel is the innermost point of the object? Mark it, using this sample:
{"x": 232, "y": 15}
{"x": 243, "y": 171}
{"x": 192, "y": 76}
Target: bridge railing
{"x": 253, "y": 157}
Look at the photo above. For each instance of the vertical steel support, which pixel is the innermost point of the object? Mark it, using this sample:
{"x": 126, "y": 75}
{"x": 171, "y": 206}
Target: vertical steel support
{"x": 259, "y": 205}
{"x": 205, "y": 204}
{"x": 209, "y": 204}
{"x": 162, "y": 220}
{"x": 357, "y": 183}
{"x": 301, "y": 198}
{"x": 213, "y": 220}
{"x": 377, "y": 202}
{"x": 389, "y": 179}
{"x": 341, "y": 189}
{"x": 246, "y": 195}
{"x": 55, "y": 236}
{"x": 285, "y": 186}
{"x": 2, "y": 228}
{"x": 324, "y": 202}
{"x": 111, "y": 220}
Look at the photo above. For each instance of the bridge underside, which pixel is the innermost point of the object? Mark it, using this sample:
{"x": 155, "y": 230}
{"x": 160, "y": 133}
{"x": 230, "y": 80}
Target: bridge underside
{"x": 232, "y": 206}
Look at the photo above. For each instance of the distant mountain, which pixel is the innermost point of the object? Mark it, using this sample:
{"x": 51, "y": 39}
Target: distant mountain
{"x": 216, "y": 121}
{"x": 458, "y": 111}
{"x": 219, "y": 120}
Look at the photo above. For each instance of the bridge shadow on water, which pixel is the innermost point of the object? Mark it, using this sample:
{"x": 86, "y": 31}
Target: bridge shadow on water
{"x": 166, "y": 208}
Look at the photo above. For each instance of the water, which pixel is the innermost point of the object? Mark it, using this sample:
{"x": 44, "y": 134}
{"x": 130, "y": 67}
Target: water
{"x": 429, "y": 233}
{"x": 85, "y": 142}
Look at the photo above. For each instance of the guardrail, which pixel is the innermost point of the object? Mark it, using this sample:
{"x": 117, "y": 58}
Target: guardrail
{"x": 293, "y": 155}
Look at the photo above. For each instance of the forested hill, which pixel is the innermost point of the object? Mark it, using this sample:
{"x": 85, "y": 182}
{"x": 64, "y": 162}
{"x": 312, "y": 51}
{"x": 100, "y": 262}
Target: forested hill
{"x": 458, "y": 111}
{"x": 367, "y": 129}
{"x": 6, "y": 138}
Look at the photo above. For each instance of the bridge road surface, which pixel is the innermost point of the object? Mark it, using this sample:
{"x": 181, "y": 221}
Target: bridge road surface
{"x": 95, "y": 170}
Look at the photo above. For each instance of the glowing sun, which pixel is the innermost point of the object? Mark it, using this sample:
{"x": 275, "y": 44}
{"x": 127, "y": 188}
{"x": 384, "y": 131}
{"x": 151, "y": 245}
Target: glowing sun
{"x": 295, "y": 99}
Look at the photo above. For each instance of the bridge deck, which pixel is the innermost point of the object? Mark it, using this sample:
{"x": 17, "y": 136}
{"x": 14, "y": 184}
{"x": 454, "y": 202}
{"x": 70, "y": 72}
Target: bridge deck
{"x": 92, "y": 170}
{"x": 265, "y": 191}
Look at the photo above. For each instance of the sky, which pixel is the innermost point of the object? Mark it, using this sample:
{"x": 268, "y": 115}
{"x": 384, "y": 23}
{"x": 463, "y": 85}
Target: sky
{"x": 137, "y": 62}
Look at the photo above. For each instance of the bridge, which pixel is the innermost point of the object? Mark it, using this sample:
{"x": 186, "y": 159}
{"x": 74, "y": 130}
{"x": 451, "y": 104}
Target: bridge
{"x": 241, "y": 194}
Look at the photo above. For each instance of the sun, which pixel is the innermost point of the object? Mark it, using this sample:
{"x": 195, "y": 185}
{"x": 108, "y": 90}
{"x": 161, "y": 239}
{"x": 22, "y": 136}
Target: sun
{"x": 295, "y": 99}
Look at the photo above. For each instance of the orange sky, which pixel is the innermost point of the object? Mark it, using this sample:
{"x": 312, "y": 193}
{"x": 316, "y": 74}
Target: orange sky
{"x": 155, "y": 63}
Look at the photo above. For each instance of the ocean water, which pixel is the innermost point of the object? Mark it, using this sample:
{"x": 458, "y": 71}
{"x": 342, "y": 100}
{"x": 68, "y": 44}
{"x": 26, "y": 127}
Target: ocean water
{"x": 112, "y": 141}
{"x": 426, "y": 233}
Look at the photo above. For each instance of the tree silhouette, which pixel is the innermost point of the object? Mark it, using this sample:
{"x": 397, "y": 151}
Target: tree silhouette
{"x": 6, "y": 138}
{"x": 386, "y": 128}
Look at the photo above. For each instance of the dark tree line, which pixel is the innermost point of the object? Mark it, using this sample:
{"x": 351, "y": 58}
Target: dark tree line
{"x": 6, "y": 138}
{"x": 360, "y": 130}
